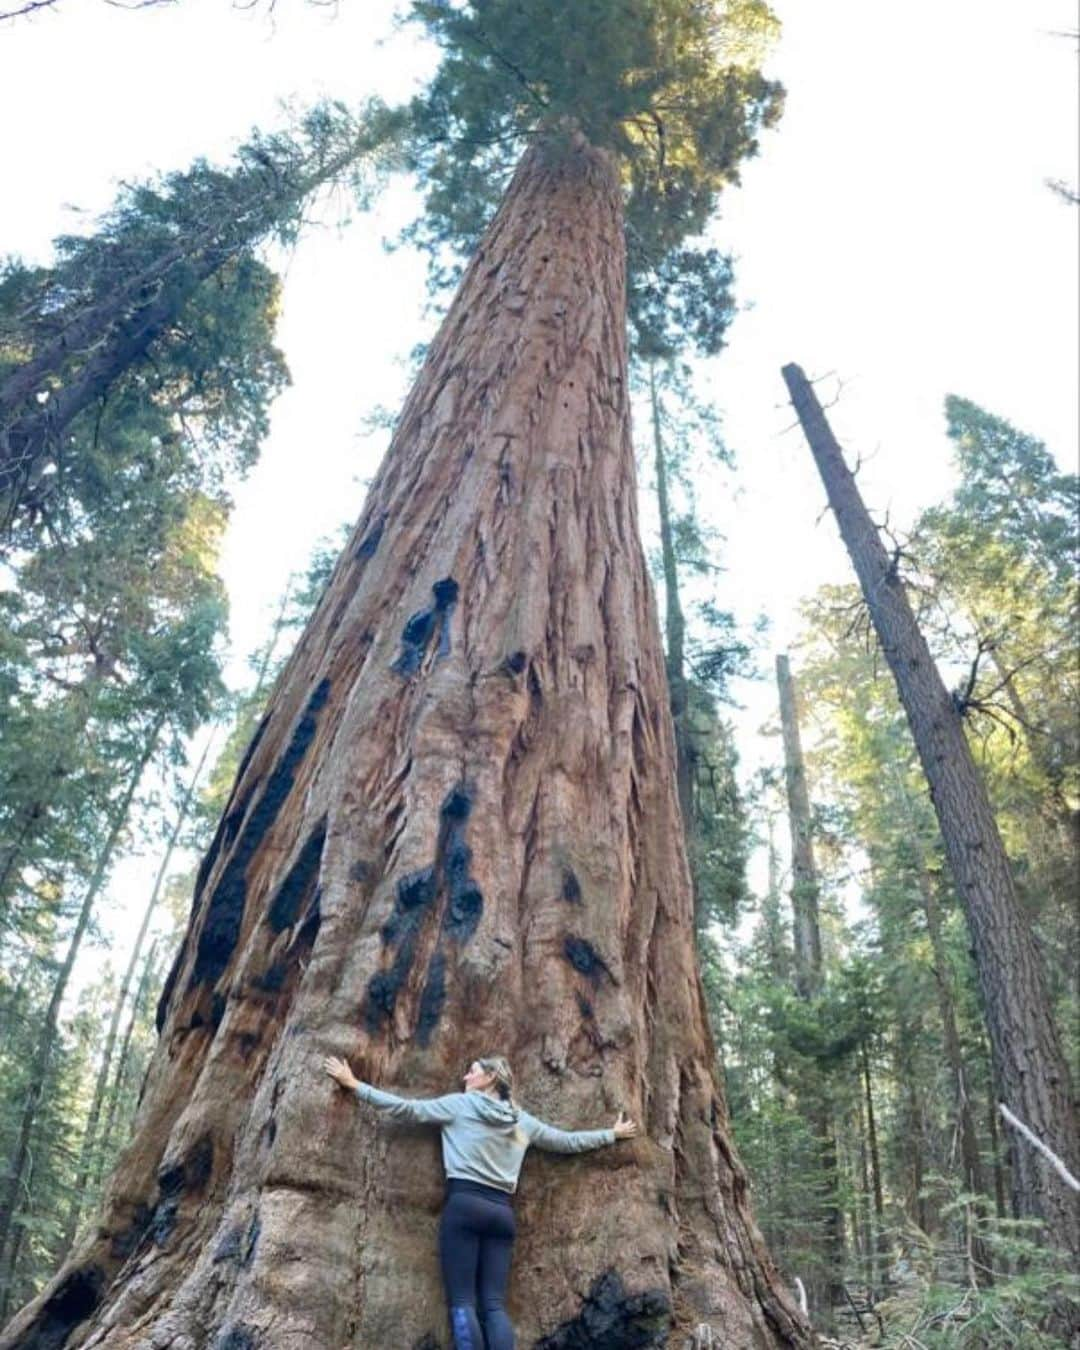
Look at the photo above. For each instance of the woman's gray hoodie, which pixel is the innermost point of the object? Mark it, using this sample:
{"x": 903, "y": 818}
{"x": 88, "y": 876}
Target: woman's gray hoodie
{"x": 483, "y": 1139}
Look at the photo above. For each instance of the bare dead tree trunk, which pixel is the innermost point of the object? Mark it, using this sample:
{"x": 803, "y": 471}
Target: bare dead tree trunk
{"x": 1031, "y": 1069}
{"x": 457, "y": 829}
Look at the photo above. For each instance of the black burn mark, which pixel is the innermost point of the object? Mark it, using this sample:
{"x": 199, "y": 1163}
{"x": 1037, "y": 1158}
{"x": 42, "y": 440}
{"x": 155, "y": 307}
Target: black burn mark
{"x": 239, "y": 1243}
{"x": 571, "y": 887}
{"x": 369, "y": 544}
{"x": 272, "y": 980}
{"x": 432, "y": 999}
{"x": 239, "y": 1336}
{"x": 75, "y": 1298}
{"x": 415, "y": 892}
{"x": 584, "y": 957}
{"x": 229, "y": 1248}
{"x": 190, "y": 1175}
{"x": 417, "y": 633}
{"x": 296, "y": 889}
{"x": 515, "y": 663}
{"x": 465, "y": 901}
{"x": 446, "y": 594}
{"x": 168, "y": 987}
{"x": 611, "y": 1317}
{"x": 126, "y": 1240}
{"x": 385, "y": 985}
{"x": 225, "y": 914}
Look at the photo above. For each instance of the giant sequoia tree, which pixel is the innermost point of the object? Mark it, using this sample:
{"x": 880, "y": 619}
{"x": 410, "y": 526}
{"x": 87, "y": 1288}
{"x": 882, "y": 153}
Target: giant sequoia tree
{"x": 457, "y": 825}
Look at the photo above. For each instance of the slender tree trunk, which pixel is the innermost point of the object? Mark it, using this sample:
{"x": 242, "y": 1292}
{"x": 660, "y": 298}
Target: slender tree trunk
{"x": 1029, "y": 1063}
{"x": 804, "y": 889}
{"x": 810, "y": 978}
{"x": 969, "y": 1143}
{"x": 881, "y": 1241}
{"x": 674, "y": 622}
{"x": 458, "y": 831}
{"x": 122, "y": 1065}
{"x": 9, "y": 1203}
{"x": 779, "y": 957}
{"x": 867, "y": 1243}
{"x": 10, "y": 1275}
{"x": 912, "y": 1149}
{"x": 90, "y": 1133}
{"x": 995, "y": 1151}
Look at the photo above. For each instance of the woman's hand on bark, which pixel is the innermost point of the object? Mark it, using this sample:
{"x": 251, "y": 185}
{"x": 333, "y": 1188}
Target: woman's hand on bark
{"x": 340, "y": 1072}
{"x": 624, "y": 1127}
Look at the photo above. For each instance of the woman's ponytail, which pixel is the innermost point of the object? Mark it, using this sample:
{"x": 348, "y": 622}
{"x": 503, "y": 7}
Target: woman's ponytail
{"x": 499, "y": 1067}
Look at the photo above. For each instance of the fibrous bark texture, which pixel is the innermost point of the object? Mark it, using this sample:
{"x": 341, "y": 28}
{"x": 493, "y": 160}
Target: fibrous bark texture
{"x": 455, "y": 833}
{"x": 1028, "y": 1061}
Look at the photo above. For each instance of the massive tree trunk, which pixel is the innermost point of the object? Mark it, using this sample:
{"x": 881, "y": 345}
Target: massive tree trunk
{"x": 455, "y": 832}
{"x": 1029, "y": 1064}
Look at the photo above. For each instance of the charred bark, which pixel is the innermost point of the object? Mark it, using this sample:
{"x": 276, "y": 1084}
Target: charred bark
{"x": 458, "y": 831}
{"x": 1028, "y": 1060}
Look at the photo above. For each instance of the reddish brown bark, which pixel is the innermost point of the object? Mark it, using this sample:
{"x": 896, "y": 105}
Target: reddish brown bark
{"x": 456, "y": 832}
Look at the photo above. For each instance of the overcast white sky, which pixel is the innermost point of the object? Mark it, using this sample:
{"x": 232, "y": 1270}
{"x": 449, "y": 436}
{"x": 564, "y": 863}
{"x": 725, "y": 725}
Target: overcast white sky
{"x": 896, "y": 229}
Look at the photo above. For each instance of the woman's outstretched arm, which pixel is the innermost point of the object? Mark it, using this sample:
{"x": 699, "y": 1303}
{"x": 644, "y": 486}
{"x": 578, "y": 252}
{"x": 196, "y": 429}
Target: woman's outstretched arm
{"x": 554, "y": 1140}
{"x": 416, "y": 1111}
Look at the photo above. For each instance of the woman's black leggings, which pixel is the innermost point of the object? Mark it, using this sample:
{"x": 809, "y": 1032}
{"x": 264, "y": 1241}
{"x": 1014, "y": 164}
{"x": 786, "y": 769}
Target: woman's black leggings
{"x": 476, "y": 1238}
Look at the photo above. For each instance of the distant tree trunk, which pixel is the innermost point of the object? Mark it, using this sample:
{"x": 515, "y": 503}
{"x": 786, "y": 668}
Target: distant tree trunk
{"x": 123, "y": 1064}
{"x": 881, "y": 1241}
{"x": 9, "y": 1203}
{"x": 457, "y": 831}
{"x": 1029, "y": 1063}
{"x": 969, "y": 1143}
{"x": 674, "y": 621}
{"x": 804, "y": 883}
{"x": 865, "y": 1230}
{"x": 995, "y": 1149}
{"x": 810, "y": 976}
{"x": 779, "y": 956}
{"x": 90, "y": 1134}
